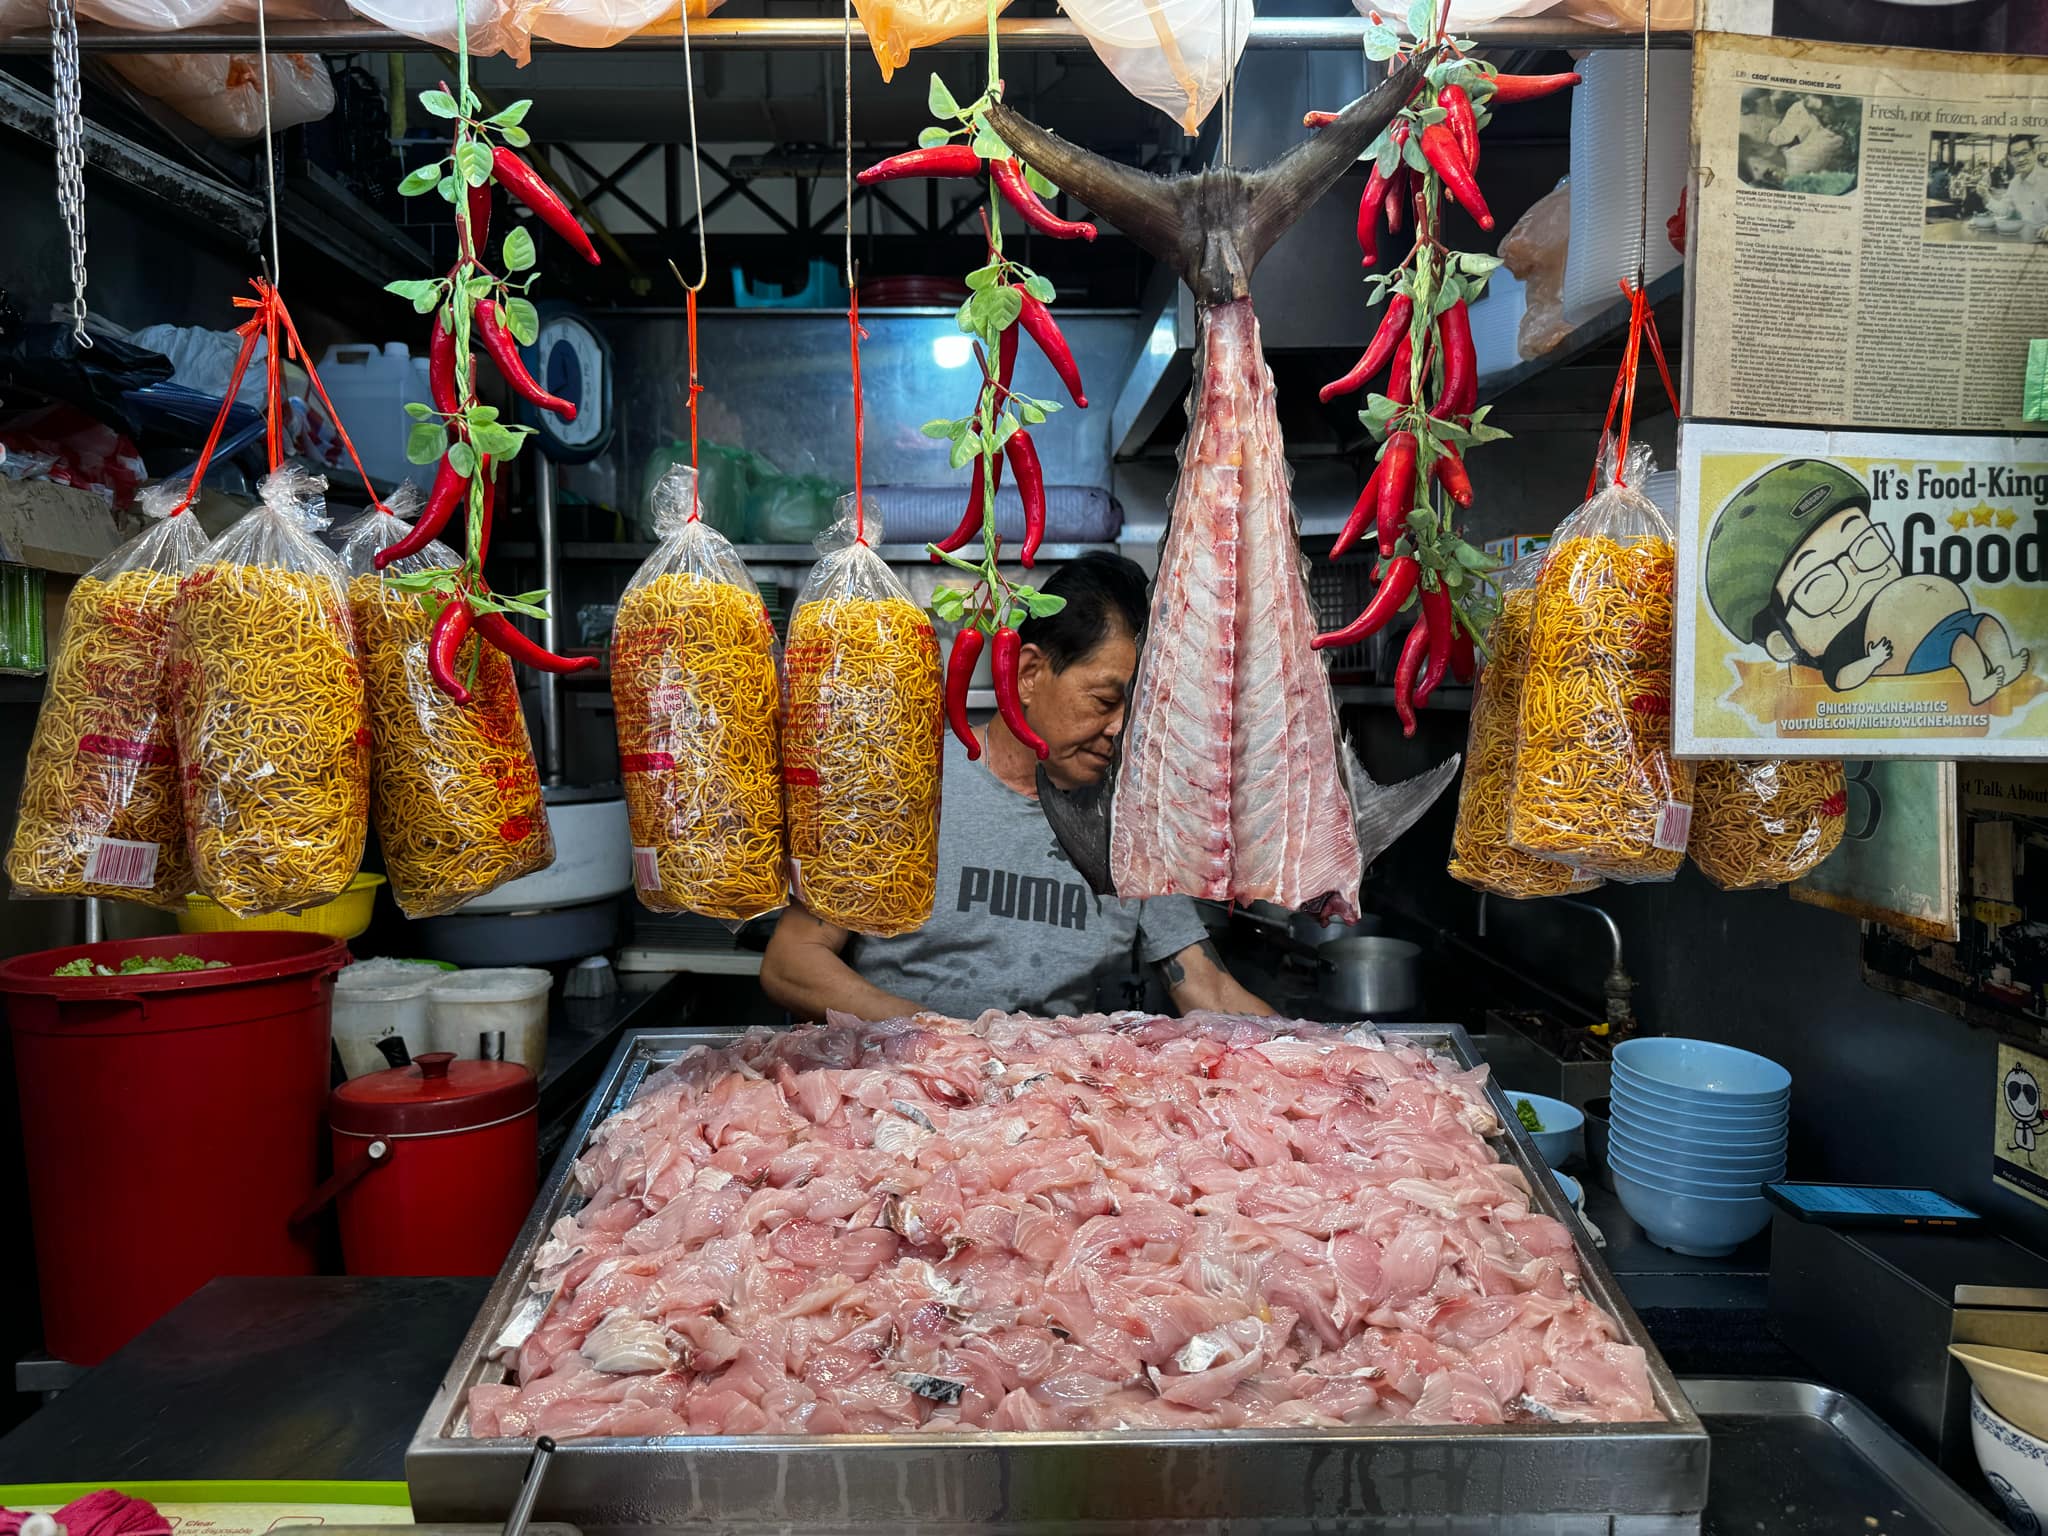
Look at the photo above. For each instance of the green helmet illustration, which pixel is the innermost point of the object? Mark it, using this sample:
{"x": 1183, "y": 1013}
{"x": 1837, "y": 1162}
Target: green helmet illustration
{"x": 1762, "y": 526}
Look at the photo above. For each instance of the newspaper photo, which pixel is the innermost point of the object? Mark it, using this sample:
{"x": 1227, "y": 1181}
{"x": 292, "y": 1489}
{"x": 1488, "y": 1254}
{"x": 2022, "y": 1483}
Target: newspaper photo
{"x": 1868, "y": 595}
{"x": 1869, "y": 234}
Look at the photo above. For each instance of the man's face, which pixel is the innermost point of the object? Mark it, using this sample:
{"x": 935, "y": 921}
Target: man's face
{"x": 1079, "y": 712}
{"x": 1832, "y": 577}
{"x": 2024, "y": 157}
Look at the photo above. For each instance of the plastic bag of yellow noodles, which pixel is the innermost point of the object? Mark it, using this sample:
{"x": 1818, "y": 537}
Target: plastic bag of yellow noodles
{"x": 860, "y": 741}
{"x": 99, "y": 812}
{"x": 1765, "y": 821}
{"x": 1481, "y": 854}
{"x": 697, "y": 701}
{"x": 454, "y": 793}
{"x": 267, "y": 694}
{"x": 1596, "y": 786}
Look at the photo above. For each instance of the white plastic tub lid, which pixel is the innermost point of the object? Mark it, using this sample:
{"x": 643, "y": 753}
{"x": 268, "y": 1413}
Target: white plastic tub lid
{"x": 491, "y": 984}
{"x": 383, "y": 980}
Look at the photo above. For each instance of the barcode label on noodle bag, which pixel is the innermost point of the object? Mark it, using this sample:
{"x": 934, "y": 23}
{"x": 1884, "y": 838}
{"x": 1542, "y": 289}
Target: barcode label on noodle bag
{"x": 114, "y": 861}
{"x": 647, "y": 869}
{"x": 1674, "y": 827}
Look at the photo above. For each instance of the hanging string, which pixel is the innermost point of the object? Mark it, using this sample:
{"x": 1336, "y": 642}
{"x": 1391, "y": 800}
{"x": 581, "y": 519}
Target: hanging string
{"x": 690, "y": 314}
{"x": 860, "y": 530}
{"x": 1229, "y": 75}
{"x": 696, "y": 168}
{"x": 269, "y": 151}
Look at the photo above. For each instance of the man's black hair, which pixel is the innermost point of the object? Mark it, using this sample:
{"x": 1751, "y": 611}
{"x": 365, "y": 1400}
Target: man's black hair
{"x": 2013, "y": 142}
{"x": 1102, "y": 590}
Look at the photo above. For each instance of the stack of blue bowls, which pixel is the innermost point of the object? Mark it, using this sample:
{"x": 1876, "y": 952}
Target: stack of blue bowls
{"x": 1697, "y": 1130}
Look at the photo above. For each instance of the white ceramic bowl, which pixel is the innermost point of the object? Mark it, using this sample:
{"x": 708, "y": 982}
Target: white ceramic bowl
{"x": 2014, "y": 1463}
{"x": 1694, "y": 1224}
{"x": 1688, "y": 1131}
{"x": 1700, "y": 1066}
{"x": 1564, "y": 1126}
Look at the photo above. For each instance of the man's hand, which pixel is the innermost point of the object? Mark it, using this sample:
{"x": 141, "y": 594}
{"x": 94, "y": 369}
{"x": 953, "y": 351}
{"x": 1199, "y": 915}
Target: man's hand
{"x": 1197, "y": 979}
{"x": 803, "y": 972}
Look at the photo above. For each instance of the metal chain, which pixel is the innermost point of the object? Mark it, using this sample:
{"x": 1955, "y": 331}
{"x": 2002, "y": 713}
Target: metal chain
{"x": 69, "y": 123}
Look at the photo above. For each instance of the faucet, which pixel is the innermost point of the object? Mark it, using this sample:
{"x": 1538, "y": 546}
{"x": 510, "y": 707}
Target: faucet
{"x": 1619, "y": 985}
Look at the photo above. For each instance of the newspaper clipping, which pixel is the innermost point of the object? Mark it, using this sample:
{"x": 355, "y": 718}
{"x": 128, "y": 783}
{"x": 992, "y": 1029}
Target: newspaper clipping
{"x": 1850, "y": 594}
{"x": 1870, "y": 242}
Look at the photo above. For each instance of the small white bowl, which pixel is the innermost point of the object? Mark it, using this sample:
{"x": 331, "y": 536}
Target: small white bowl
{"x": 1564, "y": 1126}
{"x": 2014, "y": 1463}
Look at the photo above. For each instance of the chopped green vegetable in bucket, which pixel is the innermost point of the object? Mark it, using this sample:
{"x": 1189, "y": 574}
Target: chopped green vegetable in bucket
{"x": 139, "y": 965}
{"x": 1526, "y": 1113}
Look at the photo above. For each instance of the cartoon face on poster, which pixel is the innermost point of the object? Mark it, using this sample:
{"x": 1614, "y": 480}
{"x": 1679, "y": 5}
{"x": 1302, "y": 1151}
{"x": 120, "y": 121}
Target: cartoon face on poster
{"x": 1866, "y": 595}
{"x": 2019, "y": 1125}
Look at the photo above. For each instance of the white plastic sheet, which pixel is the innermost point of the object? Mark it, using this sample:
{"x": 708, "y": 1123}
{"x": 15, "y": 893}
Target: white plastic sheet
{"x": 601, "y": 23}
{"x": 222, "y": 93}
{"x": 1170, "y": 53}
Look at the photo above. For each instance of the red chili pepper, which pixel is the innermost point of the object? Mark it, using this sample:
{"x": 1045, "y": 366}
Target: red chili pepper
{"x": 1448, "y": 161}
{"x": 1464, "y": 659}
{"x": 1399, "y": 375}
{"x": 1674, "y": 227}
{"x": 479, "y": 218}
{"x": 504, "y": 349}
{"x": 508, "y": 637}
{"x": 1397, "y": 488}
{"x": 450, "y": 491}
{"x": 1008, "y": 644}
{"x": 1314, "y": 119}
{"x": 971, "y": 519}
{"x": 1369, "y": 216}
{"x": 1404, "y": 674}
{"x": 959, "y": 673}
{"x": 1459, "y": 118}
{"x": 524, "y": 183}
{"x": 1449, "y": 472}
{"x": 1397, "y": 199}
{"x": 1461, "y": 361}
{"x": 1436, "y": 613}
{"x": 1038, "y": 320}
{"x": 943, "y": 160}
{"x": 1363, "y": 512}
{"x": 1392, "y": 333}
{"x": 441, "y": 386}
{"x": 1393, "y": 591}
{"x": 1030, "y": 477}
{"x": 1009, "y": 177}
{"x": 444, "y": 645}
{"x": 1509, "y": 89}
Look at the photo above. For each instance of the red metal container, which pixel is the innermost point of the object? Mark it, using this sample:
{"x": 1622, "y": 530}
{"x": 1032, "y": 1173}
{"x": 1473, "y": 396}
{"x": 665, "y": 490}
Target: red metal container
{"x": 438, "y": 1162}
{"x": 171, "y": 1122}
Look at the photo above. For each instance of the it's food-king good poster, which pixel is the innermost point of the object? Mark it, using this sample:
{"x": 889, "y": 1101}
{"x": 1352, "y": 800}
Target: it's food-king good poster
{"x": 1866, "y": 595}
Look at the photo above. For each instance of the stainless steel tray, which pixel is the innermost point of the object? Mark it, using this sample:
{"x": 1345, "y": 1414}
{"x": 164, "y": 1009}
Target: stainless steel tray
{"x": 1560, "y": 1479}
{"x": 1795, "y": 1457}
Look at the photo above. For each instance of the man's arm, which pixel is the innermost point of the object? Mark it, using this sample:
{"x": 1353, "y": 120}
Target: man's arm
{"x": 1196, "y": 978}
{"x": 803, "y": 971}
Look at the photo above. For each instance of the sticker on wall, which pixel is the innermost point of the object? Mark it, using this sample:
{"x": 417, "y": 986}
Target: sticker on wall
{"x": 1869, "y": 595}
{"x": 2019, "y": 1134}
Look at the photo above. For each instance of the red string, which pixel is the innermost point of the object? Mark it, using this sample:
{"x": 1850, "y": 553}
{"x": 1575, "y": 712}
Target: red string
{"x": 274, "y": 406}
{"x": 860, "y": 532}
{"x": 690, "y": 310}
{"x": 220, "y": 419}
{"x": 1623, "y": 398}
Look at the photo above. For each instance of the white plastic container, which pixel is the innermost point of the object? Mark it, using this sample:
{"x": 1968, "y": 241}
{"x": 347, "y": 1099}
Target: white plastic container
{"x": 1607, "y": 172}
{"x": 497, "y": 1013}
{"x": 371, "y": 387}
{"x": 380, "y": 1014}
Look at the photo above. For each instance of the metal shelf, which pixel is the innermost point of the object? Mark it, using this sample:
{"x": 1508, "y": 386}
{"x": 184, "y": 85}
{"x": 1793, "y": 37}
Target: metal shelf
{"x": 622, "y": 553}
{"x": 1446, "y": 697}
{"x": 1610, "y": 325}
{"x": 805, "y": 33}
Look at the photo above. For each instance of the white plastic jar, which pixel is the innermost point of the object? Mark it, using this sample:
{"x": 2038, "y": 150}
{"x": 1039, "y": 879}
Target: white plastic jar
{"x": 380, "y": 1014}
{"x": 497, "y": 1012}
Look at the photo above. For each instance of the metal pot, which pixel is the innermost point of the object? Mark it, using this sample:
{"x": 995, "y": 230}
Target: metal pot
{"x": 1312, "y": 932}
{"x": 1370, "y": 976}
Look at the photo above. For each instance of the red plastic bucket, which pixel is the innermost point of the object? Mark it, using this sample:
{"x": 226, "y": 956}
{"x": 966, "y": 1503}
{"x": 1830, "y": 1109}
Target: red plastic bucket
{"x": 172, "y": 1122}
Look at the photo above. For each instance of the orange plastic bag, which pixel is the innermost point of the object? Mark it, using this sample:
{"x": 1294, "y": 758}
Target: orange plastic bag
{"x": 896, "y": 27}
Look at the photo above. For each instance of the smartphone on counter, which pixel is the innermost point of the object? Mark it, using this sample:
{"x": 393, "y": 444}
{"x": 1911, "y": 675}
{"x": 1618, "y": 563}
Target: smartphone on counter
{"x": 1869, "y": 1205}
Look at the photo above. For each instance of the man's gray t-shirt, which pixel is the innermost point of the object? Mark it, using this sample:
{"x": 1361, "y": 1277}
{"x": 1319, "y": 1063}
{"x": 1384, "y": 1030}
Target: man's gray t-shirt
{"x": 1014, "y": 925}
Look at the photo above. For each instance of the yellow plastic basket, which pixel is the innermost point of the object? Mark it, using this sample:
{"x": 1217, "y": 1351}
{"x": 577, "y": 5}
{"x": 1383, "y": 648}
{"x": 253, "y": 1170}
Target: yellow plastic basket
{"x": 346, "y": 916}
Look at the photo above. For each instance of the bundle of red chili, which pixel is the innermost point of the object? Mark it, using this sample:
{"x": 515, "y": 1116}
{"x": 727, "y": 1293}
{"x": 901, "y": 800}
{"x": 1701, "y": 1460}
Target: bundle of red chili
{"x": 1426, "y": 408}
{"x": 961, "y": 160}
